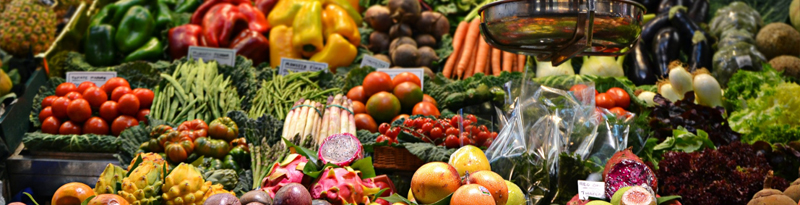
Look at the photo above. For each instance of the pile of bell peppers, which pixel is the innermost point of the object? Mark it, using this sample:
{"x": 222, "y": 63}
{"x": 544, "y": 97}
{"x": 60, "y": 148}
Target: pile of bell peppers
{"x": 234, "y": 24}
{"x": 128, "y": 30}
{"x": 323, "y": 30}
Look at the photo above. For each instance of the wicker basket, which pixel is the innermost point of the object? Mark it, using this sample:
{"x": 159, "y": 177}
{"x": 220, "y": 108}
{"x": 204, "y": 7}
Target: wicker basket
{"x": 394, "y": 158}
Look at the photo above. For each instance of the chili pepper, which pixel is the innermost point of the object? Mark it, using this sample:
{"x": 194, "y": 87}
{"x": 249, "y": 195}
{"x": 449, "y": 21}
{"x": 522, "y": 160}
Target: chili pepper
{"x": 198, "y": 128}
{"x": 211, "y": 147}
{"x": 121, "y": 9}
{"x": 100, "y": 49}
{"x": 338, "y": 52}
{"x": 280, "y": 44}
{"x": 182, "y": 37}
{"x": 224, "y": 128}
{"x": 134, "y": 30}
{"x": 336, "y": 20}
{"x": 164, "y": 16}
{"x": 200, "y": 13}
{"x": 104, "y": 16}
{"x": 256, "y": 20}
{"x": 240, "y": 155}
{"x": 666, "y": 48}
{"x": 254, "y": 46}
{"x": 230, "y": 163}
{"x": 188, "y": 6}
{"x": 152, "y": 50}
{"x": 352, "y": 11}
{"x": 308, "y": 38}
{"x": 285, "y": 12}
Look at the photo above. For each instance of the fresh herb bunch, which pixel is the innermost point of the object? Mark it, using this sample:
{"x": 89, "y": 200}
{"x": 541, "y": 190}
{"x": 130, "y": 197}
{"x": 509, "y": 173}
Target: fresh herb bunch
{"x": 667, "y": 116}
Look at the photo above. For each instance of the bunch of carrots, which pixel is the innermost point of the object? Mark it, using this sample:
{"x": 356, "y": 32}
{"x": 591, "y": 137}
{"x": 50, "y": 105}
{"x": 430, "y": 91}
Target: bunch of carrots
{"x": 471, "y": 55}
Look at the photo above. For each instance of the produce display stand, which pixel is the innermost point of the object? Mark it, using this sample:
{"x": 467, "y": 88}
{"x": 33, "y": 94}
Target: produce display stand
{"x": 12, "y": 123}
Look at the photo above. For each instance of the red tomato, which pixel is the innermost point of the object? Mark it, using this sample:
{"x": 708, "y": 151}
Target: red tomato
{"x": 118, "y": 92}
{"x": 109, "y": 111}
{"x": 428, "y": 98}
{"x": 142, "y": 115}
{"x": 472, "y": 118}
{"x": 464, "y": 140}
{"x": 51, "y": 125}
{"x": 482, "y": 137}
{"x": 383, "y": 138}
{"x": 425, "y": 108}
{"x": 69, "y": 128}
{"x": 451, "y": 142}
{"x": 73, "y": 96}
{"x": 455, "y": 120}
{"x": 451, "y": 131}
{"x": 359, "y": 107}
{"x": 357, "y": 94}
{"x": 383, "y": 128}
{"x": 393, "y": 132}
{"x": 578, "y": 90}
{"x": 85, "y": 85}
{"x": 604, "y": 100}
{"x": 427, "y": 127}
{"x": 45, "y": 113}
{"x": 115, "y": 82}
{"x": 406, "y": 77}
{"x": 145, "y": 97}
{"x": 128, "y": 104}
{"x": 65, "y": 88}
{"x": 620, "y": 97}
{"x": 376, "y": 82}
{"x": 79, "y": 110}
{"x": 95, "y": 96}
{"x": 60, "y": 107}
{"x": 121, "y": 123}
{"x": 95, "y": 125}
{"x": 400, "y": 116}
{"x": 437, "y": 133}
{"x": 365, "y": 122}
{"x": 619, "y": 112}
{"x": 48, "y": 101}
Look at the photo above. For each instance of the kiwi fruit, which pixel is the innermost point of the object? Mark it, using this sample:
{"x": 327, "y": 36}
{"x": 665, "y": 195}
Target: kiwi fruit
{"x": 778, "y": 39}
{"x": 425, "y": 40}
{"x": 400, "y": 30}
{"x": 379, "y": 18}
{"x": 427, "y": 56}
{"x": 378, "y": 42}
{"x": 406, "y": 55}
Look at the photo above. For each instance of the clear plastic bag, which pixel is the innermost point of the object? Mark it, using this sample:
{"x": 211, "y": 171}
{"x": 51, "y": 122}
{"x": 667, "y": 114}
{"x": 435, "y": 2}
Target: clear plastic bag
{"x": 737, "y": 15}
{"x": 732, "y": 36}
{"x": 553, "y": 138}
{"x": 727, "y": 61}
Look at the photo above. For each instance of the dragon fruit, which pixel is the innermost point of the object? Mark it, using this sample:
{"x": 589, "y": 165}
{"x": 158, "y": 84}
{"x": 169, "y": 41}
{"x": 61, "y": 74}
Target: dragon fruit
{"x": 290, "y": 170}
{"x": 618, "y": 157}
{"x": 148, "y": 157}
{"x": 381, "y": 182}
{"x": 107, "y": 183}
{"x": 216, "y": 189}
{"x": 342, "y": 186}
{"x": 143, "y": 185}
{"x": 629, "y": 172}
{"x": 340, "y": 149}
{"x": 185, "y": 186}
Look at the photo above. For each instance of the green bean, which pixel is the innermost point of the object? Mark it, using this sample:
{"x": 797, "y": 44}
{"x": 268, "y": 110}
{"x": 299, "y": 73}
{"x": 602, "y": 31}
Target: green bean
{"x": 178, "y": 87}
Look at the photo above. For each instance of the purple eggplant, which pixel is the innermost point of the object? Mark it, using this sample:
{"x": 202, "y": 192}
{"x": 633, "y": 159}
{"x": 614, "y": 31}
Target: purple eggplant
{"x": 702, "y": 56}
{"x": 650, "y": 29}
{"x": 641, "y": 67}
{"x": 665, "y": 5}
{"x": 650, "y": 5}
{"x": 666, "y": 48}
{"x": 699, "y": 11}
{"x": 687, "y": 28}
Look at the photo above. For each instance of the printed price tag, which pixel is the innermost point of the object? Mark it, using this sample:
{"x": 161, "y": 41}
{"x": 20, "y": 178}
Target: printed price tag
{"x": 98, "y": 78}
{"x": 419, "y": 72}
{"x": 592, "y": 189}
{"x": 295, "y": 65}
{"x": 371, "y": 61}
{"x": 744, "y": 61}
{"x": 221, "y": 55}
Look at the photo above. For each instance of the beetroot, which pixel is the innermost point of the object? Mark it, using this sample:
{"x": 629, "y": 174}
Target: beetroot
{"x": 340, "y": 149}
{"x": 290, "y": 170}
{"x": 629, "y": 172}
{"x": 342, "y": 186}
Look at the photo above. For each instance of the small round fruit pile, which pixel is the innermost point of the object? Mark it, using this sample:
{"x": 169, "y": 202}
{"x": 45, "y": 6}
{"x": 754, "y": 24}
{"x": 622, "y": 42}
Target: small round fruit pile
{"x": 382, "y": 98}
{"x": 616, "y": 100}
{"x": 435, "y": 181}
{"x": 442, "y": 132}
{"x": 88, "y": 109}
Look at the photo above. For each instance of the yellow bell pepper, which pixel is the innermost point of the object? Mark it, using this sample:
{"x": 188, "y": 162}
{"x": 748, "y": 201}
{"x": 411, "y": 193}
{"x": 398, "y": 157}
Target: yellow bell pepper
{"x": 280, "y": 45}
{"x": 307, "y": 37}
{"x": 284, "y": 12}
{"x": 337, "y": 53}
{"x": 348, "y": 7}
{"x": 336, "y": 20}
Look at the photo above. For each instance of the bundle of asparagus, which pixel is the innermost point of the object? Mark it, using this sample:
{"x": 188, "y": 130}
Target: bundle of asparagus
{"x": 338, "y": 118}
{"x": 303, "y": 121}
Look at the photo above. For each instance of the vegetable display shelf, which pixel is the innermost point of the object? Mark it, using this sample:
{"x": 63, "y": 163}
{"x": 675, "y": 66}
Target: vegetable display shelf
{"x": 45, "y": 172}
{"x": 13, "y": 123}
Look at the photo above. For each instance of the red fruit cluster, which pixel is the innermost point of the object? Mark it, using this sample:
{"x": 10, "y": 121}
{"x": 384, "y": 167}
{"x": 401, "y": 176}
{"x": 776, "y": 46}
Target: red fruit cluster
{"x": 442, "y": 132}
{"x": 88, "y": 109}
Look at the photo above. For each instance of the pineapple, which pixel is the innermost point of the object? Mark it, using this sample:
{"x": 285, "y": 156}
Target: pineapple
{"x": 185, "y": 186}
{"x": 26, "y": 27}
{"x": 107, "y": 183}
{"x": 143, "y": 185}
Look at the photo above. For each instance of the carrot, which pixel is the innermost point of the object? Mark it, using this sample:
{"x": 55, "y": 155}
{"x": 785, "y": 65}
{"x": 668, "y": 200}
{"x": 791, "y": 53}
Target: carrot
{"x": 487, "y": 69}
{"x": 496, "y": 61}
{"x": 508, "y": 61}
{"x": 483, "y": 55}
{"x": 473, "y": 35}
{"x": 458, "y": 40}
{"x": 471, "y": 68}
{"x": 521, "y": 60}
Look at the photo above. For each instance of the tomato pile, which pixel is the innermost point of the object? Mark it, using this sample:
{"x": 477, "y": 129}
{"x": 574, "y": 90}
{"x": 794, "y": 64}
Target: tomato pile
{"x": 442, "y": 132}
{"x": 616, "y": 100}
{"x": 382, "y": 98}
{"x": 88, "y": 109}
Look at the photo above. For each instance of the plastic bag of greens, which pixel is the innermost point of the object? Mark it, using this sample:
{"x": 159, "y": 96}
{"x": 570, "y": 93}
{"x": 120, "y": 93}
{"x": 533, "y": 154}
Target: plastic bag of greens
{"x": 732, "y": 36}
{"x": 727, "y": 61}
{"x": 737, "y": 15}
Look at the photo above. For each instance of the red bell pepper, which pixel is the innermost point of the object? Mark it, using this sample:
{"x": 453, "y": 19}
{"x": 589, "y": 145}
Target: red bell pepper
{"x": 265, "y": 6}
{"x": 256, "y": 20}
{"x": 218, "y": 25}
{"x": 252, "y": 45}
{"x": 181, "y": 37}
{"x": 197, "y": 17}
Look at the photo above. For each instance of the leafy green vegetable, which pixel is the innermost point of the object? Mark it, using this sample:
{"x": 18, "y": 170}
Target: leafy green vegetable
{"x": 428, "y": 152}
{"x": 354, "y": 77}
{"x": 440, "y": 87}
{"x": 70, "y": 143}
{"x": 130, "y": 139}
{"x": 243, "y": 76}
{"x": 140, "y": 74}
{"x": 648, "y": 154}
{"x": 747, "y": 84}
{"x": 685, "y": 141}
{"x": 245, "y": 181}
{"x": 265, "y": 129}
{"x": 773, "y": 116}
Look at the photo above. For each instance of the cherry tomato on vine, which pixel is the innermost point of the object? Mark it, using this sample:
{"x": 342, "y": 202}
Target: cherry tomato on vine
{"x": 393, "y": 132}
{"x": 451, "y": 131}
{"x": 427, "y": 127}
{"x": 437, "y": 133}
{"x": 383, "y": 128}
{"x": 451, "y": 142}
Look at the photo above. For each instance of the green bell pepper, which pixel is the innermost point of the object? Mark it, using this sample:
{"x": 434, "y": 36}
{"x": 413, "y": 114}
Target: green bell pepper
{"x": 188, "y": 6}
{"x": 153, "y": 50}
{"x": 240, "y": 155}
{"x": 164, "y": 16}
{"x": 121, "y": 8}
{"x": 104, "y": 16}
{"x": 135, "y": 29}
{"x": 230, "y": 163}
{"x": 99, "y": 46}
{"x": 211, "y": 147}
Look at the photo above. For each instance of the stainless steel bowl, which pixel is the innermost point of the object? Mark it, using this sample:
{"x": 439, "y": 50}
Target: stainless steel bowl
{"x": 556, "y": 30}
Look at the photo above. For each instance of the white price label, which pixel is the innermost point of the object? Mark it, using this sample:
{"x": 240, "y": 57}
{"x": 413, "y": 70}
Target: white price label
{"x": 98, "y": 78}
{"x": 419, "y": 72}
{"x": 295, "y": 65}
{"x": 221, "y": 55}
{"x": 743, "y": 61}
{"x": 371, "y": 61}
{"x": 588, "y": 189}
